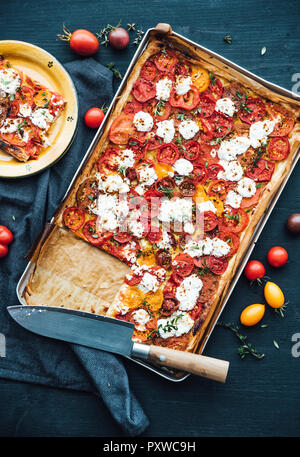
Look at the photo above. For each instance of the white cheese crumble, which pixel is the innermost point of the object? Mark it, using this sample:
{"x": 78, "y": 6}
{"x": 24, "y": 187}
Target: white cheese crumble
{"x": 226, "y": 106}
{"x": 10, "y": 125}
{"x": 42, "y": 117}
{"x": 166, "y": 130}
{"x": 143, "y": 122}
{"x": 188, "y": 291}
{"x": 163, "y": 89}
{"x": 246, "y": 187}
{"x": 219, "y": 247}
{"x": 175, "y": 325}
{"x": 183, "y": 84}
{"x": 24, "y": 110}
{"x": 165, "y": 242}
{"x": 141, "y": 317}
{"x": 176, "y": 209}
{"x": 111, "y": 211}
{"x": 112, "y": 183}
{"x": 198, "y": 248}
{"x": 9, "y": 80}
{"x": 233, "y": 199}
{"x": 149, "y": 283}
{"x": 259, "y": 132}
{"x": 229, "y": 149}
{"x": 188, "y": 228}
{"x": 183, "y": 167}
{"x": 147, "y": 177}
{"x": 126, "y": 158}
{"x": 206, "y": 206}
{"x": 188, "y": 129}
{"x": 233, "y": 170}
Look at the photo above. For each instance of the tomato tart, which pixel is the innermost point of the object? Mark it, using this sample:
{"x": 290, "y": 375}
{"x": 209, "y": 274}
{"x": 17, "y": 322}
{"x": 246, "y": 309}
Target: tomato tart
{"x": 27, "y": 111}
{"x": 181, "y": 176}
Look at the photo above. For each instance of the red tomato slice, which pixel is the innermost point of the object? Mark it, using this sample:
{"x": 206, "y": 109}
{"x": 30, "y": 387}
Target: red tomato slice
{"x": 285, "y": 123}
{"x": 183, "y": 264}
{"x": 133, "y": 107}
{"x": 233, "y": 220}
{"x": 207, "y": 105}
{"x": 192, "y": 150}
{"x": 206, "y": 130}
{"x": 187, "y": 188}
{"x": 199, "y": 173}
{"x": 94, "y": 236}
{"x": 165, "y": 186}
{"x": 148, "y": 71}
{"x": 154, "y": 236}
{"x": 170, "y": 288}
{"x": 261, "y": 171}
{"x": 201, "y": 262}
{"x": 153, "y": 143}
{"x": 210, "y": 221}
{"x": 252, "y": 111}
{"x": 167, "y": 153}
{"x": 108, "y": 161}
{"x": 217, "y": 265}
{"x": 143, "y": 90}
{"x": 166, "y": 60}
{"x": 14, "y": 108}
{"x": 215, "y": 88}
{"x": 221, "y": 124}
{"x": 248, "y": 202}
{"x": 121, "y": 129}
{"x": 122, "y": 237}
{"x": 232, "y": 240}
{"x": 213, "y": 171}
{"x": 188, "y": 101}
{"x": 218, "y": 189}
{"x": 73, "y": 218}
{"x": 160, "y": 111}
{"x": 133, "y": 280}
{"x": 13, "y": 139}
{"x": 279, "y": 148}
{"x": 183, "y": 68}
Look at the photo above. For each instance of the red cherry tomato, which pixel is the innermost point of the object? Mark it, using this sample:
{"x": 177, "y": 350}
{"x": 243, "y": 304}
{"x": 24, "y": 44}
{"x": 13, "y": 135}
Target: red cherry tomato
{"x": 6, "y": 236}
{"x": 254, "y": 270}
{"x": 277, "y": 256}
{"x": 83, "y": 42}
{"x": 3, "y": 250}
{"x": 94, "y": 117}
{"x": 119, "y": 38}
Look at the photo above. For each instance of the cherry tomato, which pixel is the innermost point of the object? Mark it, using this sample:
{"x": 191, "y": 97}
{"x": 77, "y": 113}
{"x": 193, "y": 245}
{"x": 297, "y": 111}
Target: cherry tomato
{"x": 93, "y": 118}
{"x": 83, "y": 42}
{"x": 6, "y": 236}
{"x": 3, "y": 250}
{"x": 252, "y": 314}
{"x": 254, "y": 270}
{"x": 119, "y": 38}
{"x": 293, "y": 223}
{"x": 273, "y": 295}
{"x": 277, "y": 256}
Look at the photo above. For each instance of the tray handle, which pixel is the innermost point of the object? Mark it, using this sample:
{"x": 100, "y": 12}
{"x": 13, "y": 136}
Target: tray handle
{"x": 163, "y": 28}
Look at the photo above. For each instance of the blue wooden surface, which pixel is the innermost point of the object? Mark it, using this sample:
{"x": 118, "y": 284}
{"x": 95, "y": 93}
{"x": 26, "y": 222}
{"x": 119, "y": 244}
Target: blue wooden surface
{"x": 261, "y": 398}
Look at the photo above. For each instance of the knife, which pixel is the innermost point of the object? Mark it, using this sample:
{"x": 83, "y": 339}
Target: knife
{"x": 112, "y": 335}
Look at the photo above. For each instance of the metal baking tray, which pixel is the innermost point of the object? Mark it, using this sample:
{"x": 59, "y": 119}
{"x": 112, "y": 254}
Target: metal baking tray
{"x": 164, "y": 30}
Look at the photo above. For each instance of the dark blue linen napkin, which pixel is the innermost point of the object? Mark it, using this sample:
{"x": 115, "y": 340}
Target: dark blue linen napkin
{"x": 25, "y": 205}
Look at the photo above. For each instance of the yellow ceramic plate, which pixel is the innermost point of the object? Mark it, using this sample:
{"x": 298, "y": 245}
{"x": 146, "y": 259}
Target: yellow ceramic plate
{"x": 44, "y": 68}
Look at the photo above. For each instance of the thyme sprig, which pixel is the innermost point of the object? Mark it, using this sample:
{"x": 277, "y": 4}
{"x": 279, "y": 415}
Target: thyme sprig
{"x": 103, "y": 34}
{"x": 245, "y": 348}
{"x": 112, "y": 67}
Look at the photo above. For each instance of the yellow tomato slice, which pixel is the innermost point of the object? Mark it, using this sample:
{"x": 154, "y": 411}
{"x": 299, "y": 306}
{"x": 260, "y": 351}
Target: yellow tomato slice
{"x": 42, "y": 97}
{"x": 162, "y": 170}
{"x": 154, "y": 300}
{"x": 131, "y": 297}
{"x": 200, "y": 194}
{"x": 200, "y": 78}
{"x": 147, "y": 257}
{"x": 219, "y": 205}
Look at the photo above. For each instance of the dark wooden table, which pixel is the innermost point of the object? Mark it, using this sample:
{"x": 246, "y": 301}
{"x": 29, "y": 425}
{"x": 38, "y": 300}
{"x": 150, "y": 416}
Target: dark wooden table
{"x": 261, "y": 398}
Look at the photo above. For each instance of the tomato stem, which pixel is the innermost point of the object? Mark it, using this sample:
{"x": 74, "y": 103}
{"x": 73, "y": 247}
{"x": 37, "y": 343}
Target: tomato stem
{"x": 66, "y": 36}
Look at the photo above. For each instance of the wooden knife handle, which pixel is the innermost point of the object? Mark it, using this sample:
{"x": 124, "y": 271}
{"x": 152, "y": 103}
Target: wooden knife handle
{"x": 199, "y": 365}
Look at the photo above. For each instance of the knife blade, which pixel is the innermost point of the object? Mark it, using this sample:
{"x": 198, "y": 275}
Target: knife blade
{"x": 111, "y": 335}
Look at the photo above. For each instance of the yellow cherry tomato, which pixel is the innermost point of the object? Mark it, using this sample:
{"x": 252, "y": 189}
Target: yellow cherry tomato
{"x": 162, "y": 170}
{"x": 252, "y": 314}
{"x": 200, "y": 78}
{"x": 273, "y": 295}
